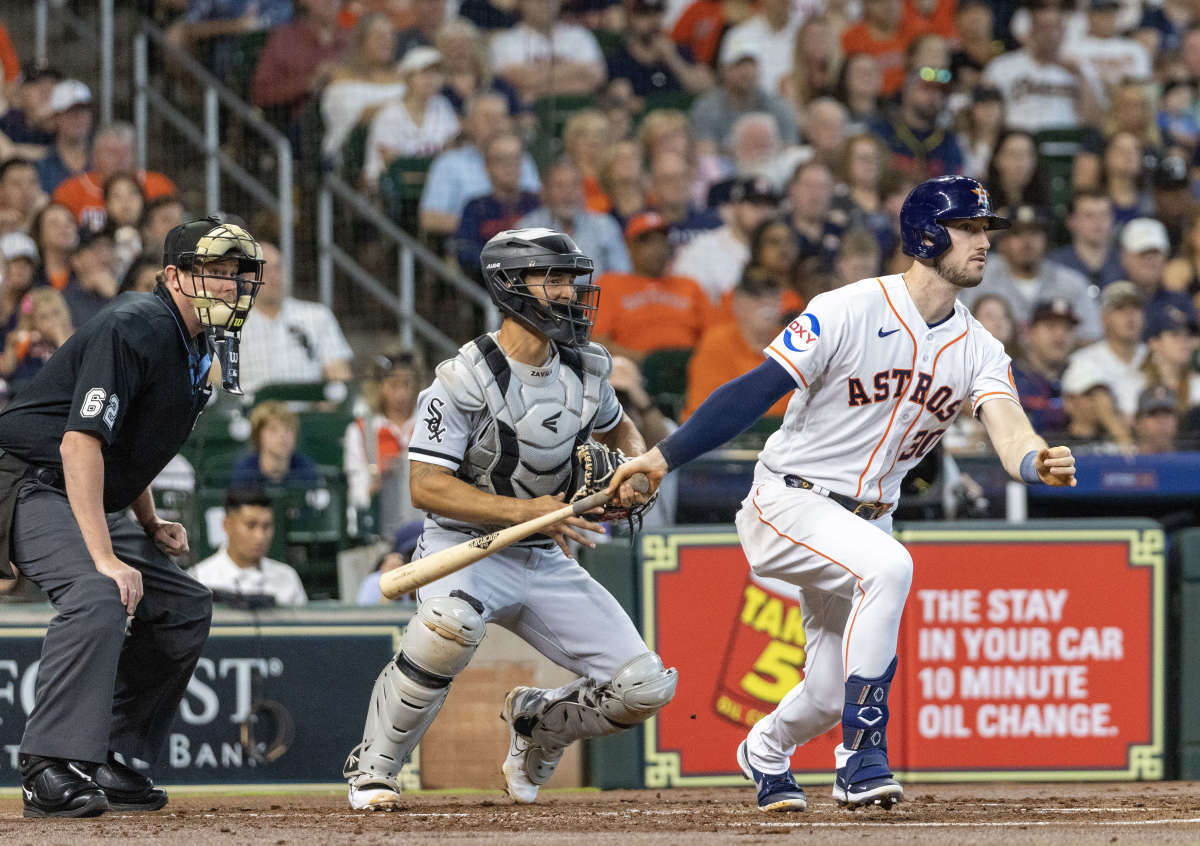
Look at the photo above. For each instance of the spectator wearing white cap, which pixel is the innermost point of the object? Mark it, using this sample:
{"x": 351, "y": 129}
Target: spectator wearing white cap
{"x": 1108, "y": 374}
{"x": 421, "y": 123}
{"x": 544, "y": 56}
{"x": 71, "y": 106}
{"x": 21, "y": 259}
{"x": 738, "y": 93}
{"x": 1144, "y": 250}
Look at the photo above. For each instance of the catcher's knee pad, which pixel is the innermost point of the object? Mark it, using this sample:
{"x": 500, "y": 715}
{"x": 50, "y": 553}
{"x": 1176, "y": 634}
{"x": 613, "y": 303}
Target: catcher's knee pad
{"x": 583, "y": 709}
{"x": 639, "y": 689}
{"x": 864, "y": 724}
{"x": 437, "y": 644}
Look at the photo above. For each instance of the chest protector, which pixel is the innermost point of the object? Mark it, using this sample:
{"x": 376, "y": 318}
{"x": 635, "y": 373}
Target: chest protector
{"x": 530, "y": 419}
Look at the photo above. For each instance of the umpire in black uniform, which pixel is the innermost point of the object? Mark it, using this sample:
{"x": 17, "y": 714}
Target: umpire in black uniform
{"x": 78, "y": 448}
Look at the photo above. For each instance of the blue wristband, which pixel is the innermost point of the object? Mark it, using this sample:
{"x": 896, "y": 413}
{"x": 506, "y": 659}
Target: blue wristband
{"x": 1029, "y": 473}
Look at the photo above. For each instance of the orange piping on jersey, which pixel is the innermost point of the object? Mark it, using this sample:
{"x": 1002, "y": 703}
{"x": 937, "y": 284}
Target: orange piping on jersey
{"x": 789, "y": 364}
{"x": 993, "y": 394}
{"x": 904, "y": 439}
{"x": 858, "y": 579}
{"x": 896, "y": 407}
{"x": 1012, "y": 381}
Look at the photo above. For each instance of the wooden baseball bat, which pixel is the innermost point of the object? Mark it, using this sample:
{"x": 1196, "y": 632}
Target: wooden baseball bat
{"x": 408, "y": 577}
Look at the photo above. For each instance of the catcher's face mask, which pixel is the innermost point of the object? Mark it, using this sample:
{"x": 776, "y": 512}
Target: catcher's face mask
{"x": 542, "y": 278}
{"x": 224, "y": 274}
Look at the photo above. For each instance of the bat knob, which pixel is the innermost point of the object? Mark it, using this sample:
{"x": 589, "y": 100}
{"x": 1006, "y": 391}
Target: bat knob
{"x": 640, "y": 483}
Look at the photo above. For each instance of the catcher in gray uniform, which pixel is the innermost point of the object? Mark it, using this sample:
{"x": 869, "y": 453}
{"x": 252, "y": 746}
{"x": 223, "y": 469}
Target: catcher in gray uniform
{"x": 499, "y": 440}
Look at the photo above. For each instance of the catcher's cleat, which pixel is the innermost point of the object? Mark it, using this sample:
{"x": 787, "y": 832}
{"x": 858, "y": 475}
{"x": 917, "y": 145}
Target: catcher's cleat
{"x": 54, "y": 788}
{"x": 126, "y": 788}
{"x": 372, "y": 793}
{"x": 776, "y": 791}
{"x": 528, "y": 766}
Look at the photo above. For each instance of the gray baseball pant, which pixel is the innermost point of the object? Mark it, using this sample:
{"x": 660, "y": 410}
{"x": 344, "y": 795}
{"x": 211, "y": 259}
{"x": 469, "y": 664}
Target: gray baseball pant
{"x": 103, "y": 685}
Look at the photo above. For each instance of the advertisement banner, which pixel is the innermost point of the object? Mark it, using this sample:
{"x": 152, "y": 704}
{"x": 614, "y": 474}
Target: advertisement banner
{"x": 1024, "y": 653}
{"x": 268, "y": 704}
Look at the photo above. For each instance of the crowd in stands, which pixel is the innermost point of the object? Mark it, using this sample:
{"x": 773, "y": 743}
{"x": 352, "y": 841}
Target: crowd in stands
{"x": 721, "y": 161}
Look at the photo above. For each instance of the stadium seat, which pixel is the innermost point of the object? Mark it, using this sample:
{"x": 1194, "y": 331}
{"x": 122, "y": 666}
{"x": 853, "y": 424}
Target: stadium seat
{"x": 354, "y": 154}
{"x": 1057, "y": 150}
{"x": 552, "y": 113}
{"x": 680, "y": 100}
{"x": 665, "y": 372}
{"x": 323, "y": 434}
{"x": 299, "y": 392}
{"x": 245, "y": 59}
{"x": 401, "y": 186}
{"x": 221, "y": 433}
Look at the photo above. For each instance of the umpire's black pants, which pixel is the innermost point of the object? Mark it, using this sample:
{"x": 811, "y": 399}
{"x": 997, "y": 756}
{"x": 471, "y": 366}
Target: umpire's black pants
{"x": 100, "y": 687}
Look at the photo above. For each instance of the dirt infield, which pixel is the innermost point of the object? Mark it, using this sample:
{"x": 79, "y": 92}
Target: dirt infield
{"x": 1167, "y": 812}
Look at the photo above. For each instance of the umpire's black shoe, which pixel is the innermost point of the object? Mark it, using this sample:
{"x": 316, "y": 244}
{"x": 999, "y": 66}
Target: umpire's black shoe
{"x": 126, "y": 788}
{"x": 54, "y": 788}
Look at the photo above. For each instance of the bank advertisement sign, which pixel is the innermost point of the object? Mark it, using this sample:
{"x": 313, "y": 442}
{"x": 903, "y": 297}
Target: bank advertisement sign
{"x": 1023, "y": 654}
{"x": 269, "y": 704}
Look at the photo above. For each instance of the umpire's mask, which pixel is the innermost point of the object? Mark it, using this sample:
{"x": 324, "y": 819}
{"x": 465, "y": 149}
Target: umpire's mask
{"x": 212, "y": 251}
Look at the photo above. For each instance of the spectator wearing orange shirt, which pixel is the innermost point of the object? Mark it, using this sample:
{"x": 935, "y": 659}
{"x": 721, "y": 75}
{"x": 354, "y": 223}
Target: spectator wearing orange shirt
{"x": 10, "y": 65}
{"x": 702, "y": 24}
{"x": 729, "y": 350}
{"x": 112, "y": 153}
{"x": 885, "y": 32}
{"x": 644, "y": 311}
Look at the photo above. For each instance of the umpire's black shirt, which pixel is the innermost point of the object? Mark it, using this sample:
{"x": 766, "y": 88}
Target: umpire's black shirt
{"x": 133, "y": 377}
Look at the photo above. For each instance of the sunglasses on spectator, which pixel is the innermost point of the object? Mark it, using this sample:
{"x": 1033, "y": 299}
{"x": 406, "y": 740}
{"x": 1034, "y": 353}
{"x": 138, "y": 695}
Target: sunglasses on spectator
{"x": 937, "y": 76}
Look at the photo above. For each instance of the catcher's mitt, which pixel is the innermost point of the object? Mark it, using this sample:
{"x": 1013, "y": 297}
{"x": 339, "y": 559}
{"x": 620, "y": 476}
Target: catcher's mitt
{"x": 591, "y": 472}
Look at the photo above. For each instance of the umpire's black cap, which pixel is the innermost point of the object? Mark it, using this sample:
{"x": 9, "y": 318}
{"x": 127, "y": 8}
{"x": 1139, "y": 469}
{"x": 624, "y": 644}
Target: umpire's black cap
{"x": 225, "y": 238}
{"x": 182, "y": 240}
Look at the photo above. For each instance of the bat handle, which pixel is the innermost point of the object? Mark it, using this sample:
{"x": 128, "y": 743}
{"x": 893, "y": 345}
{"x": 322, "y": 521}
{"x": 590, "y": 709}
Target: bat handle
{"x": 596, "y": 500}
{"x": 639, "y": 481}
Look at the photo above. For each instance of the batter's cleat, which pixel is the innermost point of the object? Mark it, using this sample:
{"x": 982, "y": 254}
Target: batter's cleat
{"x": 776, "y": 791}
{"x": 372, "y": 793}
{"x": 884, "y": 791}
{"x": 528, "y": 766}
{"x": 126, "y": 788}
{"x": 54, "y": 788}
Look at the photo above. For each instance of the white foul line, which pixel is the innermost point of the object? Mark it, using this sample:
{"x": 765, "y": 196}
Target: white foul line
{"x": 981, "y": 823}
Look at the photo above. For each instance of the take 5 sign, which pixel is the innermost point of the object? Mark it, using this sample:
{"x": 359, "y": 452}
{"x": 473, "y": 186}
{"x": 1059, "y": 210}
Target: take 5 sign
{"x": 1025, "y": 653}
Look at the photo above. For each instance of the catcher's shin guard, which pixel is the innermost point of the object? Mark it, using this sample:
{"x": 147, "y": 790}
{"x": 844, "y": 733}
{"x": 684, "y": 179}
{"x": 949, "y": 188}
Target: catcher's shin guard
{"x": 437, "y": 644}
{"x": 866, "y": 778}
{"x": 543, "y": 722}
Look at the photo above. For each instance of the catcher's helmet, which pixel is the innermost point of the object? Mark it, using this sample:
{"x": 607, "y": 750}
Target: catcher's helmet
{"x": 510, "y": 255}
{"x": 938, "y": 200}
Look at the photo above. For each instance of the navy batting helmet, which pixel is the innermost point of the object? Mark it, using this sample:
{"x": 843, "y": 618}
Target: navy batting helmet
{"x": 938, "y": 200}
{"x": 513, "y": 253}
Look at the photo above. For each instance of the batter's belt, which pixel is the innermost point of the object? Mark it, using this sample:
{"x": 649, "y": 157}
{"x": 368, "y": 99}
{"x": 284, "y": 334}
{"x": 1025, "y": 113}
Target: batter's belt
{"x": 865, "y": 510}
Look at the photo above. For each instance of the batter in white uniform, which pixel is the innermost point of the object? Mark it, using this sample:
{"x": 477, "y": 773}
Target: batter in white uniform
{"x": 878, "y": 370}
{"x": 493, "y": 446}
